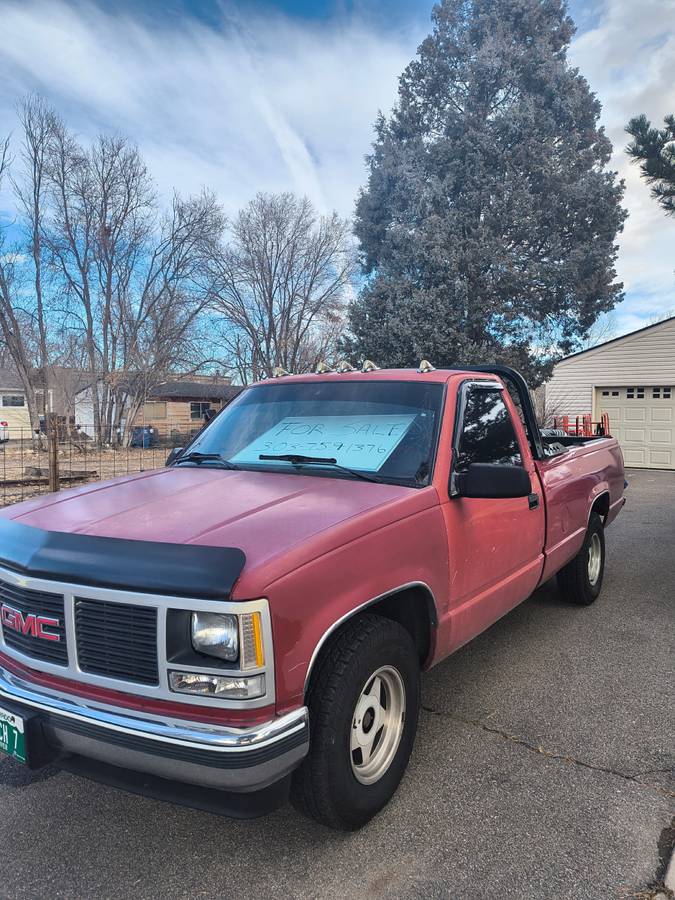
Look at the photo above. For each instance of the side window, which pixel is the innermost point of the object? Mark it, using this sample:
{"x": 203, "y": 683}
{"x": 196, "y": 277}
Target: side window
{"x": 488, "y": 435}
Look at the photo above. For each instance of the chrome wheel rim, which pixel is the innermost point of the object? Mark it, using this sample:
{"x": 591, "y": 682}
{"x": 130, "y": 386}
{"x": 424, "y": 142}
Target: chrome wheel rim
{"x": 377, "y": 725}
{"x": 594, "y": 559}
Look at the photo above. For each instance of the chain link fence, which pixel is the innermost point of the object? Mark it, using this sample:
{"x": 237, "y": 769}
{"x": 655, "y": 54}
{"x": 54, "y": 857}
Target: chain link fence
{"x": 61, "y": 457}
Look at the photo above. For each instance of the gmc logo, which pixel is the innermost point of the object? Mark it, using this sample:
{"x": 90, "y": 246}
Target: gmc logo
{"x": 35, "y": 626}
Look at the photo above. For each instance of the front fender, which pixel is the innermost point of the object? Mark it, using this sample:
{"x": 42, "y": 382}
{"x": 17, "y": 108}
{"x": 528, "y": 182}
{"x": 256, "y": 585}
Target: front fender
{"x": 308, "y": 604}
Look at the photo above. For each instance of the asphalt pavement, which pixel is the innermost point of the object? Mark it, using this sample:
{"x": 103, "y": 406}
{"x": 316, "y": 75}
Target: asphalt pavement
{"x": 543, "y": 768}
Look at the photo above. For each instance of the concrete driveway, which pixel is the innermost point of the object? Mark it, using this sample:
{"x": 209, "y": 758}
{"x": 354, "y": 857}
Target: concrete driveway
{"x": 542, "y": 769}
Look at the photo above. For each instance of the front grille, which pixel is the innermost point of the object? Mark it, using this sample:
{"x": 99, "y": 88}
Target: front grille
{"x": 30, "y": 604}
{"x": 117, "y": 640}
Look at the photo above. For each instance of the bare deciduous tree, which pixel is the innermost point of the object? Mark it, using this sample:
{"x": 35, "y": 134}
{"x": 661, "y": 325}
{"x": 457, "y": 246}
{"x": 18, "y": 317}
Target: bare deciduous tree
{"x": 135, "y": 283}
{"x": 15, "y": 324}
{"x": 601, "y": 331}
{"x": 38, "y": 122}
{"x": 281, "y": 285}
{"x": 103, "y": 279}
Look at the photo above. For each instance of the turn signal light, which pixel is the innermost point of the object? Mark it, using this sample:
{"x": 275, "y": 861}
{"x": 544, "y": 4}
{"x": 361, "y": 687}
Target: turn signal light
{"x": 222, "y": 686}
{"x": 252, "y": 653}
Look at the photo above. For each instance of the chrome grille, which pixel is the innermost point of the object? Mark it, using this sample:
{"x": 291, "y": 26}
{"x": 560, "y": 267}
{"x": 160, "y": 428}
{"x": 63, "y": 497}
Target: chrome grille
{"x": 34, "y": 603}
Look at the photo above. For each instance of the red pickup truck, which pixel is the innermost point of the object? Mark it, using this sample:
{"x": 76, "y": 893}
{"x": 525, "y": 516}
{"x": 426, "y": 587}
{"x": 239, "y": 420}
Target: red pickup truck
{"x": 253, "y": 619}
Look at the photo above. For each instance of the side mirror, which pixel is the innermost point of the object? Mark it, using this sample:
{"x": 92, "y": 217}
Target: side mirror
{"x": 493, "y": 481}
{"x": 210, "y": 414}
{"x": 173, "y": 455}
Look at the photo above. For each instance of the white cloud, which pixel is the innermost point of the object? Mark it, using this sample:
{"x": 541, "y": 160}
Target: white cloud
{"x": 274, "y": 103}
{"x": 628, "y": 58}
{"x": 261, "y": 104}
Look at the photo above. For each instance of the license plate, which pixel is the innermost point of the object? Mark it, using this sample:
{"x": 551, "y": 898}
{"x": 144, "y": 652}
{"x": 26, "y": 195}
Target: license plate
{"x": 12, "y": 735}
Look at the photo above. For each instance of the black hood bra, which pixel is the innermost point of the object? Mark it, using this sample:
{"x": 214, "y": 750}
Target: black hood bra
{"x": 151, "y": 567}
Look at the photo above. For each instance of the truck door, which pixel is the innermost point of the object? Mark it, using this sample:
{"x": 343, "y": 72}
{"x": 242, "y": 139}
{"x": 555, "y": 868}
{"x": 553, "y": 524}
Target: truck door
{"x": 495, "y": 545}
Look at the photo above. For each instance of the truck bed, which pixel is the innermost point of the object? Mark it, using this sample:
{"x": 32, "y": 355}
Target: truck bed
{"x": 588, "y": 467}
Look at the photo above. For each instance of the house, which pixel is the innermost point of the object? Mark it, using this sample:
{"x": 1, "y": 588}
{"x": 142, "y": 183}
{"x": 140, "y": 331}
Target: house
{"x": 179, "y": 408}
{"x": 174, "y": 410}
{"x": 13, "y": 405}
{"x": 632, "y": 379}
{"x": 56, "y": 397}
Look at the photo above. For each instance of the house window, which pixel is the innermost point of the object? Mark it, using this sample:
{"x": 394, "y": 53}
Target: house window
{"x": 615, "y": 393}
{"x": 605, "y": 393}
{"x": 658, "y": 395}
{"x": 155, "y": 410}
{"x": 630, "y": 393}
{"x": 199, "y": 410}
{"x": 13, "y": 400}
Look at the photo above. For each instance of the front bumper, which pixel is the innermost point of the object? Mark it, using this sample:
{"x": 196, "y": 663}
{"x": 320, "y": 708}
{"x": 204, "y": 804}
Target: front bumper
{"x": 90, "y": 739}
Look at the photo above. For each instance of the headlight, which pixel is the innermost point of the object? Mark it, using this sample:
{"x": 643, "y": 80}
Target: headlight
{"x": 229, "y": 637}
{"x": 216, "y": 634}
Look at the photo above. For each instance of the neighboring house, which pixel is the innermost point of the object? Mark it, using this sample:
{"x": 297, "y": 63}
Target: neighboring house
{"x": 180, "y": 408}
{"x": 13, "y": 406}
{"x": 57, "y": 398}
{"x": 174, "y": 409}
{"x": 632, "y": 378}
{"x": 83, "y": 405}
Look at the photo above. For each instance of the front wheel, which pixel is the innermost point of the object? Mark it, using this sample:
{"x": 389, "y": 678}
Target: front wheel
{"x": 581, "y": 579}
{"x": 363, "y": 707}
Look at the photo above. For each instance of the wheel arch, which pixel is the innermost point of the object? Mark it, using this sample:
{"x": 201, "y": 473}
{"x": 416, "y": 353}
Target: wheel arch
{"x": 600, "y": 506}
{"x": 413, "y": 605}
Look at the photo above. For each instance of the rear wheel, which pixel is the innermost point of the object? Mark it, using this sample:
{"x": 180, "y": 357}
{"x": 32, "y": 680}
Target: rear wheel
{"x": 581, "y": 580}
{"x": 363, "y": 707}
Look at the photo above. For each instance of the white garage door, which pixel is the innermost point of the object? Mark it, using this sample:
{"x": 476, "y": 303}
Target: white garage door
{"x": 642, "y": 418}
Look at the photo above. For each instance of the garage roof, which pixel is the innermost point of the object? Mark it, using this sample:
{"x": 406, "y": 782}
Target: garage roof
{"x": 622, "y": 337}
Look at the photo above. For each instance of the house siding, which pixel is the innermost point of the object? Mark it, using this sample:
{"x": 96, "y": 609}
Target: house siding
{"x": 18, "y": 421}
{"x": 643, "y": 358}
{"x": 178, "y": 419}
{"x": 17, "y": 417}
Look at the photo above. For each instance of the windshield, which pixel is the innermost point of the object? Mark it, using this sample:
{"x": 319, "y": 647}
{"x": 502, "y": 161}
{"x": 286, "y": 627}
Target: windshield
{"x": 387, "y": 429}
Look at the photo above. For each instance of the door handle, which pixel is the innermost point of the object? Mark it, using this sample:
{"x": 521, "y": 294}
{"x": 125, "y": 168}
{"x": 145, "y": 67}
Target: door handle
{"x": 533, "y": 501}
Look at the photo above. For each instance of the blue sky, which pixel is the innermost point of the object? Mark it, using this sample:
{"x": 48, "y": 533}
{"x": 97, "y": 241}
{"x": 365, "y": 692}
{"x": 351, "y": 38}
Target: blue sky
{"x": 389, "y": 13}
{"x": 247, "y": 95}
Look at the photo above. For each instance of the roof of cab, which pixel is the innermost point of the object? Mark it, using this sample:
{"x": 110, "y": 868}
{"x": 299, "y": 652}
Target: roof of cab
{"x": 436, "y": 375}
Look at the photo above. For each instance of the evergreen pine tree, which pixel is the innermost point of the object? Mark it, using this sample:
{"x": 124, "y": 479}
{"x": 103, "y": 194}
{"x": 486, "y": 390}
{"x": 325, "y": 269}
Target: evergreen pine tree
{"x": 654, "y": 149}
{"x": 489, "y": 220}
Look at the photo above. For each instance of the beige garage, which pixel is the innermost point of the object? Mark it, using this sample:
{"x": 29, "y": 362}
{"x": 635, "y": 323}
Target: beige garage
{"x": 642, "y": 418}
{"x": 632, "y": 378}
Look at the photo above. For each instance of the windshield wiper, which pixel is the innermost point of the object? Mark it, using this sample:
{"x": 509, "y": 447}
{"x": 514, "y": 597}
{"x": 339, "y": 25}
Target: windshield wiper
{"x": 215, "y": 460}
{"x": 299, "y": 460}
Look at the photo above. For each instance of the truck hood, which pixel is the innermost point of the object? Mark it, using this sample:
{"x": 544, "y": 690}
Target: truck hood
{"x": 280, "y": 521}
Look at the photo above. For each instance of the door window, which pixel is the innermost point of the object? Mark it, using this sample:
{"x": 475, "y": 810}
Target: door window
{"x": 488, "y": 435}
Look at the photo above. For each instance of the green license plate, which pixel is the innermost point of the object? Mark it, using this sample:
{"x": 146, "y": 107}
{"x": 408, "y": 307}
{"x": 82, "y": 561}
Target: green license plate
{"x": 12, "y": 735}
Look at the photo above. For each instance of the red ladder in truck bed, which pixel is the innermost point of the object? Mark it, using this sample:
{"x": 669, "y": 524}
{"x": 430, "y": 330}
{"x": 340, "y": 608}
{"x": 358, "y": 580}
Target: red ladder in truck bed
{"x": 582, "y": 426}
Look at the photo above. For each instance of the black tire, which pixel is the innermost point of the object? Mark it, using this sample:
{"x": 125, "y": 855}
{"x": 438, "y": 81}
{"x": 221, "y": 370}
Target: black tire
{"x": 574, "y": 579}
{"x": 325, "y": 786}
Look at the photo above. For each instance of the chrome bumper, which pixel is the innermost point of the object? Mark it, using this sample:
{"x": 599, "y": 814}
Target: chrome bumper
{"x": 224, "y": 758}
